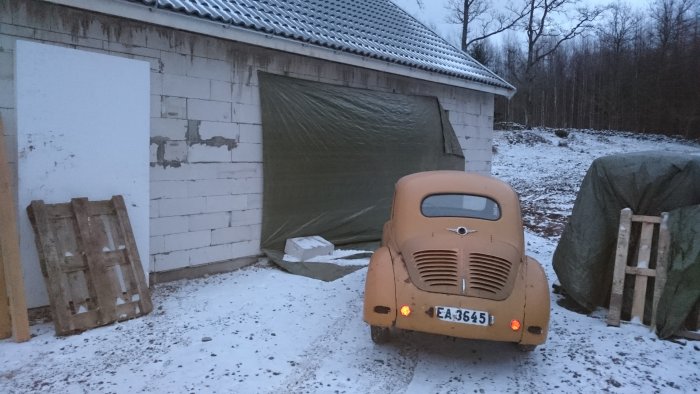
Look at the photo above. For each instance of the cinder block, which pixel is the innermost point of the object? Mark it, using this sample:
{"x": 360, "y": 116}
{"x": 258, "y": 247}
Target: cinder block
{"x": 159, "y": 173}
{"x": 200, "y": 153}
{"x": 173, "y": 107}
{"x": 226, "y": 204}
{"x": 173, "y": 129}
{"x": 247, "y": 153}
{"x": 157, "y": 83}
{"x": 208, "y": 130}
{"x": 182, "y": 206}
{"x": 235, "y": 234}
{"x": 210, "y": 187}
{"x": 305, "y": 248}
{"x": 210, "y": 254}
{"x": 247, "y": 217}
{"x": 217, "y": 111}
{"x": 220, "y": 90}
{"x": 245, "y": 248}
{"x": 153, "y": 157}
{"x": 174, "y": 63}
{"x": 186, "y": 171}
{"x": 169, "y": 225}
{"x": 209, "y": 221}
{"x": 246, "y": 94}
{"x": 182, "y": 86}
{"x": 239, "y": 170}
{"x": 251, "y": 133}
{"x": 252, "y": 186}
{"x": 156, "y": 245}
{"x": 210, "y": 68}
{"x": 154, "y": 208}
{"x": 188, "y": 240}
{"x": 171, "y": 261}
{"x": 247, "y": 113}
{"x": 175, "y": 151}
{"x": 254, "y": 200}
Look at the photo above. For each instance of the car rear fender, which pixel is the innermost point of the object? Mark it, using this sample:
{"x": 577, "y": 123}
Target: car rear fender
{"x": 536, "y": 321}
{"x": 380, "y": 290}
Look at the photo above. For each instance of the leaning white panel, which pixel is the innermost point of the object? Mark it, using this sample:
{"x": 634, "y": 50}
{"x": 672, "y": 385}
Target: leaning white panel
{"x": 82, "y": 131}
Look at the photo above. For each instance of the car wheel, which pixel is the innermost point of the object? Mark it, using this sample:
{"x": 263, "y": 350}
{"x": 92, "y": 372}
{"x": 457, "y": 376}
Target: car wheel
{"x": 380, "y": 334}
{"x": 526, "y": 348}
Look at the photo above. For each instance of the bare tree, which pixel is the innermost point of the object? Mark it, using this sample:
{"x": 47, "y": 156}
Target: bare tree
{"x": 546, "y": 32}
{"x": 673, "y": 20}
{"x": 479, "y": 20}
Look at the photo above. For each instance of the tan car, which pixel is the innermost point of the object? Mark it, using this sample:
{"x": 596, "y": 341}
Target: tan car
{"x": 453, "y": 262}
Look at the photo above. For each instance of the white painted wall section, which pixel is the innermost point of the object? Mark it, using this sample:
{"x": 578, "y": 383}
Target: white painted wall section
{"x": 83, "y": 131}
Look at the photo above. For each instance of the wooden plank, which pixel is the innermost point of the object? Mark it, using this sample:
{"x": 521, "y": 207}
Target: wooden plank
{"x": 131, "y": 251}
{"x": 50, "y": 258}
{"x": 65, "y": 210}
{"x": 13, "y": 280}
{"x": 618, "y": 285}
{"x": 661, "y": 265}
{"x": 92, "y": 246}
{"x": 640, "y": 271}
{"x": 640, "y": 283}
{"x": 695, "y": 336}
{"x": 5, "y": 318}
{"x": 647, "y": 219}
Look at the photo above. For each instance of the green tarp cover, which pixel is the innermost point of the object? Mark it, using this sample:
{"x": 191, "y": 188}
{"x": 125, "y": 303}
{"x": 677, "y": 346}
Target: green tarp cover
{"x": 647, "y": 182}
{"x": 682, "y": 288}
{"x": 332, "y": 154}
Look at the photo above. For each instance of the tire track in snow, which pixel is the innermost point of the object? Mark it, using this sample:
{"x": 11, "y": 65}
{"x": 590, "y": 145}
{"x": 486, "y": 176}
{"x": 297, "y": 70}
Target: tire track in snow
{"x": 383, "y": 369}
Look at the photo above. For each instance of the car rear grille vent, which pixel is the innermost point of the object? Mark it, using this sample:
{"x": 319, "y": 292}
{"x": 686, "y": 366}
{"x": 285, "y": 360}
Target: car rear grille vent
{"x": 488, "y": 273}
{"x": 437, "y": 267}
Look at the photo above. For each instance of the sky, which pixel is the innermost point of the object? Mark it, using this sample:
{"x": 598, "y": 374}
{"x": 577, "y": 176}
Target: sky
{"x": 434, "y": 14}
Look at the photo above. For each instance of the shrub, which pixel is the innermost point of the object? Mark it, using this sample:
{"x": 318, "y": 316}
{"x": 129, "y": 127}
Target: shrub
{"x": 561, "y": 133}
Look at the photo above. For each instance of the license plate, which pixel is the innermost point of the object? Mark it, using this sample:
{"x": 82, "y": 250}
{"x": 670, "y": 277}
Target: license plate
{"x": 461, "y": 315}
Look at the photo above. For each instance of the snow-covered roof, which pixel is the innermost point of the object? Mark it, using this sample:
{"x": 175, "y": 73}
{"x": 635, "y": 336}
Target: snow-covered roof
{"x": 377, "y": 29}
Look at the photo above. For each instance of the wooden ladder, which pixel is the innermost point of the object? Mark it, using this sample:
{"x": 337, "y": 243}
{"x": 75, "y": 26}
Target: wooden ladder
{"x": 641, "y": 268}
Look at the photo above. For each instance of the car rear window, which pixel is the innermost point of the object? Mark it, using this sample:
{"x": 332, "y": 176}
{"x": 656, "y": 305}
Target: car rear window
{"x": 460, "y": 205}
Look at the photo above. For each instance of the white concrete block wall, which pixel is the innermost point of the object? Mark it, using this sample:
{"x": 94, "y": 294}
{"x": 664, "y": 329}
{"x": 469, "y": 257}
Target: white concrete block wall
{"x": 206, "y": 132}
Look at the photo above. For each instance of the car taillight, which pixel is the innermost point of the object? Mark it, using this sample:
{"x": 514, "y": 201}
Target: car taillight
{"x": 405, "y": 310}
{"x": 515, "y": 325}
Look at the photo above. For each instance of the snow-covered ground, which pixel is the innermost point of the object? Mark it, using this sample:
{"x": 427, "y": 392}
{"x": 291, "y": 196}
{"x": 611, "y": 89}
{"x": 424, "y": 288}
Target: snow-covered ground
{"x": 261, "y": 330}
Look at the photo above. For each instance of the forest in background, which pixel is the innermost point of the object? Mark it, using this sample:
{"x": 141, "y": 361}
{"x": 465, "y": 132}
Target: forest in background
{"x": 614, "y": 67}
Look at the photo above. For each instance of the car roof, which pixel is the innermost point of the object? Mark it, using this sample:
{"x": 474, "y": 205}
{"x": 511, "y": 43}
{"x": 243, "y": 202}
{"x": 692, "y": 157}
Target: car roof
{"x": 422, "y": 184}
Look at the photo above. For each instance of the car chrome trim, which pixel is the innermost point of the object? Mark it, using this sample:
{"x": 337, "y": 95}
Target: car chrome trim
{"x": 461, "y": 230}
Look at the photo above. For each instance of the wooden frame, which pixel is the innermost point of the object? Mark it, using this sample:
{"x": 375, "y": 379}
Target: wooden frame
{"x": 14, "y": 320}
{"x": 641, "y": 269}
{"x": 90, "y": 262}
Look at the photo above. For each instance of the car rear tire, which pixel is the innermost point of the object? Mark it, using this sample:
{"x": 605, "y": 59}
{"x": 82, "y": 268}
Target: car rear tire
{"x": 380, "y": 334}
{"x": 526, "y": 348}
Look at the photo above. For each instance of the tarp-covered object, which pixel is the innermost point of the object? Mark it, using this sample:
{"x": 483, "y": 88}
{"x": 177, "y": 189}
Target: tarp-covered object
{"x": 682, "y": 290}
{"x": 332, "y": 154}
{"x": 647, "y": 182}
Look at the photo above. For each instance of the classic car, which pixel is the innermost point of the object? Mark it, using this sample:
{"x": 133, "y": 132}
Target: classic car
{"x": 452, "y": 262}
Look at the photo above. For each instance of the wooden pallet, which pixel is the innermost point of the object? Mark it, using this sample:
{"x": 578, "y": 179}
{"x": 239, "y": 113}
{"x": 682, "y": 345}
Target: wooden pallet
{"x": 90, "y": 263}
{"x": 13, "y": 306}
{"x": 640, "y": 268}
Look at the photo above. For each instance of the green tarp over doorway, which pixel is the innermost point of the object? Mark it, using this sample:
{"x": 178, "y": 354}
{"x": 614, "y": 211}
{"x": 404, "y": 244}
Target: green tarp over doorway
{"x": 331, "y": 156}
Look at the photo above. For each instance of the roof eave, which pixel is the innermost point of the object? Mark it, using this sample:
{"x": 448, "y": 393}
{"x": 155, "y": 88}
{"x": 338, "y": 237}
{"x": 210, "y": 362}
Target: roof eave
{"x": 181, "y": 21}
